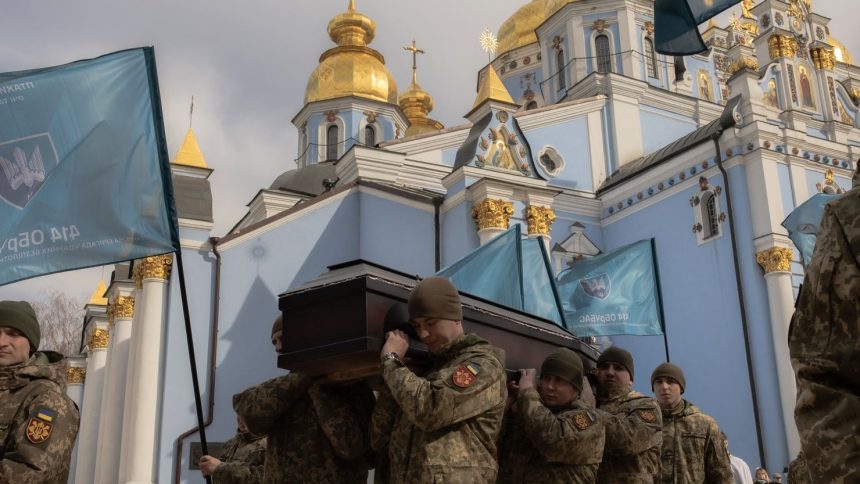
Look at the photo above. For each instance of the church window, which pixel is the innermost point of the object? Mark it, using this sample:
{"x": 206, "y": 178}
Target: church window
{"x": 559, "y": 59}
{"x": 604, "y": 61}
{"x": 331, "y": 143}
{"x": 531, "y": 105}
{"x": 710, "y": 217}
{"x": 369, "y": 135}
{"x": 550, "y": 160}
{"x": 806, "y": 89}
{"x": 650, "y": 58}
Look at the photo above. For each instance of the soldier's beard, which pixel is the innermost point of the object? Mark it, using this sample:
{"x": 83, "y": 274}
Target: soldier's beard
{"x": 610, "y": 390}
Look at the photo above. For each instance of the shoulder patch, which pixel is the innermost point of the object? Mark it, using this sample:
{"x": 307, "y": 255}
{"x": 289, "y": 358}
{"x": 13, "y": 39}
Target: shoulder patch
{"x": 647, "y": 415}
{"x": 583, "y": 420}
{"x": 466, "y": 375}
{"x": 41, "y": 425}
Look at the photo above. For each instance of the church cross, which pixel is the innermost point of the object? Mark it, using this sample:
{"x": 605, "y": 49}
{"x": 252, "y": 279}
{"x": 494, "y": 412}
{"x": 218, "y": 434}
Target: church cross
{"x": 415, "y": 51}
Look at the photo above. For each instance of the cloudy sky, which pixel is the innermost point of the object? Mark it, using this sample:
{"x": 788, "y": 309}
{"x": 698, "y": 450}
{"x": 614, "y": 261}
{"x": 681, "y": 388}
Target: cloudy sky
{"x": 247, "y": 63}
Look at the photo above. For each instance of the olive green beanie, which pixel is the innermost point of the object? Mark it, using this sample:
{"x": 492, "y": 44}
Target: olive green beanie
{"x": 617, "y": 355}
{"x": 668, "y": 370}
{"x": 565, "y": 364}
{"x": 20, "y": 315}
{"x": 436, "y": 298}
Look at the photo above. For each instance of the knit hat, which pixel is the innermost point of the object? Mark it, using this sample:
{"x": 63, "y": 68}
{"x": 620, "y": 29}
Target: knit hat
{"x": 435, "y": 297}
{"x": 279, "y": 324}
{"x": 565, "y": 364}
{"x": 668, "y": 370}
{"x": 617, "y": 355}
{"x": 20, "y": 315}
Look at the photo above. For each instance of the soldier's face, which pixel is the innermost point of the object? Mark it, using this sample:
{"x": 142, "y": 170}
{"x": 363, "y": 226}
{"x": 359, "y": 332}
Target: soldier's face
{"x": 14, "y": 347}
{"x": 556, "y": 392}
{"x": 668, "y": 392}
{"x": 612, "y": 374}
{"x": 437, "y": 333}
{"x": 277, "y": 343}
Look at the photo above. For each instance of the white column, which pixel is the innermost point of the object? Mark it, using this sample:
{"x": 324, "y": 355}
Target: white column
{"x": 776, "y": 263}
{"x": 121, "y": 313}
{"x": 493, "y": 217}
{"x": 75, "y": 375}
{"x": 142, "y": 395}
{"x": 97, "y": 345}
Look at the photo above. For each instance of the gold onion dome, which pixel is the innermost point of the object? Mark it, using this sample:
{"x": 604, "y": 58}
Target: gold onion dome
{"x": 519, "y": 29}
{"x": 352, "y": 68}
{"x": 189, "y": 153}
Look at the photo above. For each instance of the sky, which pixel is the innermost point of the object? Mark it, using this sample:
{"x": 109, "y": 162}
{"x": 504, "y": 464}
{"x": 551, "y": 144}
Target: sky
{"x": 247, "y": 63}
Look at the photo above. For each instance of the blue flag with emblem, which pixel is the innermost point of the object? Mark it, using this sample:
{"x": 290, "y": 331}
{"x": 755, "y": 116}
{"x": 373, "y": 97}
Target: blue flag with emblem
{"x": 803, "y": 224}
{"x": 613, "y": 293}
{"x": 676, "y": 24}
{"x": 84, "y": 172}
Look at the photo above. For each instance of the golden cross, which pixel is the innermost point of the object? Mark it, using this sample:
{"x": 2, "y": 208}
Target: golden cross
{"x": 191, "y": 113}
{"x": 415, "y": 51}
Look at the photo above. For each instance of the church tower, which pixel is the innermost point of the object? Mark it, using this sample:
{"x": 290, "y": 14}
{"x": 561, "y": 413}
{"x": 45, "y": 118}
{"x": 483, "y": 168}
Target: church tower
{"x": 351, "y": 97}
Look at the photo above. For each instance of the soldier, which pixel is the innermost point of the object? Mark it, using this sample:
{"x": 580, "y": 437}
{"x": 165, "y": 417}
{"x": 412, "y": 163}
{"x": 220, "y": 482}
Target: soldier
{"x": 633, "y": 423}
{"x": 442, "y": 426}
{"x": 549, "y": 434}
{"x": 316, "y": 430}
{"x": 38, "y": 422}
{"x": 693, "y": 447}
{"x": 242, "y": 459}
{"x": 824, "y": 343}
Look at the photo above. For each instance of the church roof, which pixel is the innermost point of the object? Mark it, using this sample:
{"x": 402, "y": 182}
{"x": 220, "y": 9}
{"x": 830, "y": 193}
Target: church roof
{"x": 98, "y": 298}
{"x": 640, "y": 165}
{"x": 189, "y": 153}
{"x": 307, "y": 180}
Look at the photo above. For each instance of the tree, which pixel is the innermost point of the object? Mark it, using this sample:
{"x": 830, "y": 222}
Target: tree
{"x": 60, "y": 318}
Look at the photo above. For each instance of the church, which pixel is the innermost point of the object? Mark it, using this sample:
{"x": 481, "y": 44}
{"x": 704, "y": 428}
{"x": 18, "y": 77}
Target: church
{"x": 581, "y": 133}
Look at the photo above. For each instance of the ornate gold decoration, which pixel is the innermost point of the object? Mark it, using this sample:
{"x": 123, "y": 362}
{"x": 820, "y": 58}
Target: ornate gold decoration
{"x": 823, "y": 58}
{"x": 99, "y": 339}
{"x": 855, "y": 95}
{"x": 492, "y": 89}
{"x": 98, "y": 298}
{"x": 781, "y": 46}
{"x": 794, "y": 9}
{"x": 417, "y": 103}
{"x": 828, "y": 177}
{"x": 488, "y": 43}
{"x": 599, "y": 25}
{"x": 75, "y": 375}
{"x": 777, "y": 259}
{"x": 189, "y": 152}
{"x": 743, "y": 62}
{"x": 649, "y": 27}
{"x": 519, "y": 29}
{"x": 122, "y": 307}
{"x": 155, "y": 267}
{"x": 493, "y": 214}
{"x": 746, "y": 6}
{"x": 539, "y": 219}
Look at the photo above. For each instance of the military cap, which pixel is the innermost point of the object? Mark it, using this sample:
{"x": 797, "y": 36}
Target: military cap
{"x": 617, "y": 355}
{"x": 435, "y": 297}
{"x": 20, "y": 315}
{"x": 565, "y": 364}
{"x": 668, "y": 370}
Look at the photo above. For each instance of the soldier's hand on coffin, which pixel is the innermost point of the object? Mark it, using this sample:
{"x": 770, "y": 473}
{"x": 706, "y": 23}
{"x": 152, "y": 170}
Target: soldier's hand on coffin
{"x": 527, "y": 378}
{"x": 513, "y": 391}
{"x": 208, "y": 464}
{"x": 396, "y": 342}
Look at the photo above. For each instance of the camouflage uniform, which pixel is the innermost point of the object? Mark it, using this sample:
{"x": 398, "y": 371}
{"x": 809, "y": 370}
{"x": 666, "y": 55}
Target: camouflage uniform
{"x": 316, "y": 431}
{"x": 541, "y": 445}
{"x": 38, "y": 422}
{"x": 693, "y": 448}
{"x": 242, "y": 460}
{"x": 633, "y": 439}
{"x": 436, "y": 430}
{"x": 798, "y": 471}
{"x": 824, "y": 342}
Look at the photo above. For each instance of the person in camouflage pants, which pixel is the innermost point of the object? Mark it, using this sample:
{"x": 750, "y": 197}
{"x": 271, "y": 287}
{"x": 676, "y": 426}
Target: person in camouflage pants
{"x": 316, "y": 430}
{"x": 549, "y": 435}
{"x": 693, "y": 447}
{"x": 442, "y": 426}
{"x": 633, "y": 423}
{"x": 824, "y": 343}
{"x": 38, "y": 422}
{"x": 241, "y": 461}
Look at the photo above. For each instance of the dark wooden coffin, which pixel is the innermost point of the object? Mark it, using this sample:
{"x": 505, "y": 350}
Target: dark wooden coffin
{"x": 336, "y": 324}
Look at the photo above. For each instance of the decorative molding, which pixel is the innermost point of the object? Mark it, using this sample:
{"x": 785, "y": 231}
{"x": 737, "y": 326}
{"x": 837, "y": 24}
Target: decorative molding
{"x": 776, "y": 259}
{"x": 539, "y": 219}
{"x": 493, "y": 214}
{"x": 75, "y": 375}
{"x": 649, "y": 27}
{"x": 823, "y": 58}
{"x": 743, "y": 62}
{"x": 122, "y": 307}
{"x": 99, "y": 339}
{"x": 599, "y": 25}
{"x": 154, "y": 267}
{"x": 782, "y": 46}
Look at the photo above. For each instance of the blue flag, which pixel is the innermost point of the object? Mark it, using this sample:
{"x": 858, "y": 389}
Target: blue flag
{"x": 803, "y": 223}
{"x": 613, "y": 293}
{"x": 676, "y": 24}
{"x": 511, "y": 272}
{"x": 84, "y": 172}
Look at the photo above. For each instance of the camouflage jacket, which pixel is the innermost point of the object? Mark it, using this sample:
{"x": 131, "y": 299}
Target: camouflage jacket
{"x": 316, "y": 431}
{"x": 824, "y": 343}
{"x": 443, "y": 427}
{"x": 693, "y": 448}
{"x": 633, "y": 439}
{"x": 242, "y": 460}
{"x": 541, "y": 445}
{"x": 38, "y": 422}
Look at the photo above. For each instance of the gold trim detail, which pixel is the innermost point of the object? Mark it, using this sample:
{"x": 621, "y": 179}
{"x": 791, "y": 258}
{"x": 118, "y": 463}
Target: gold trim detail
{"x": 75, "y": 375}
{"x": 781, "y": 46}
{"x": 777, "y": 259}
{"x": 539, "y": 219}
{"x": 99, "y": 339}
{"x": 649, "y": 27}
{"x": 599, "y": 25}
{"x": 155, "y": 267}
{"x": 823, "y": 58}
{"x": 743, "y": 63}
{"x": 493, "y": 214}
{"x": 121, "y": 307}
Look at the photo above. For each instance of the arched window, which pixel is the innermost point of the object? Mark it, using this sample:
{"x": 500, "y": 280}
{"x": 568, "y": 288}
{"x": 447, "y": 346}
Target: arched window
{"x": 710, "y": 218}
{"x": 604, "y": 61}
{"x": 331, "y": 143}
{"x": 369, "y": 135}
{"x": 559, "y": 60}
{"x": 650, "y": 58}
{"x": 531, "y": 105}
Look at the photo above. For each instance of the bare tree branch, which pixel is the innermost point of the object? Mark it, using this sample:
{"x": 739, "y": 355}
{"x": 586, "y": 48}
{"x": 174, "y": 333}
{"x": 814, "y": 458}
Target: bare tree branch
{"x": 60, "y": 318}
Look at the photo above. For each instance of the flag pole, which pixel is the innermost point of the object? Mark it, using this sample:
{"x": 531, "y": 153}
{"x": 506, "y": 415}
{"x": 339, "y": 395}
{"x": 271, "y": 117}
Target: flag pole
{"x": 192, "y": 359}
{"x": 660, "y": 298}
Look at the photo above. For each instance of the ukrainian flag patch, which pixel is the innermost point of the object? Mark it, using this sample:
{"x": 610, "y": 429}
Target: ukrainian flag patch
{"x": 473, "y": 368}
{"x": 46, "y": 415}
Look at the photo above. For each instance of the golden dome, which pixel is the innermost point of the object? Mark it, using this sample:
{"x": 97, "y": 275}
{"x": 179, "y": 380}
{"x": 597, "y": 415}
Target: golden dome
{"x": 352, "y": 68}
{"x": 519, "y": 29}
{"x": 189, "y": 153}
{"x": 839, "y": 50}
{"x": 416, "y": 104}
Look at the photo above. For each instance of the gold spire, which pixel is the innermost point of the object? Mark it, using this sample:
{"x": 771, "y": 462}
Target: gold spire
{"x": 98, "y": 298}
{"x": 492, "y": 89}
{"x": 189, "y": 153}
{"x": 415, "y": 102}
